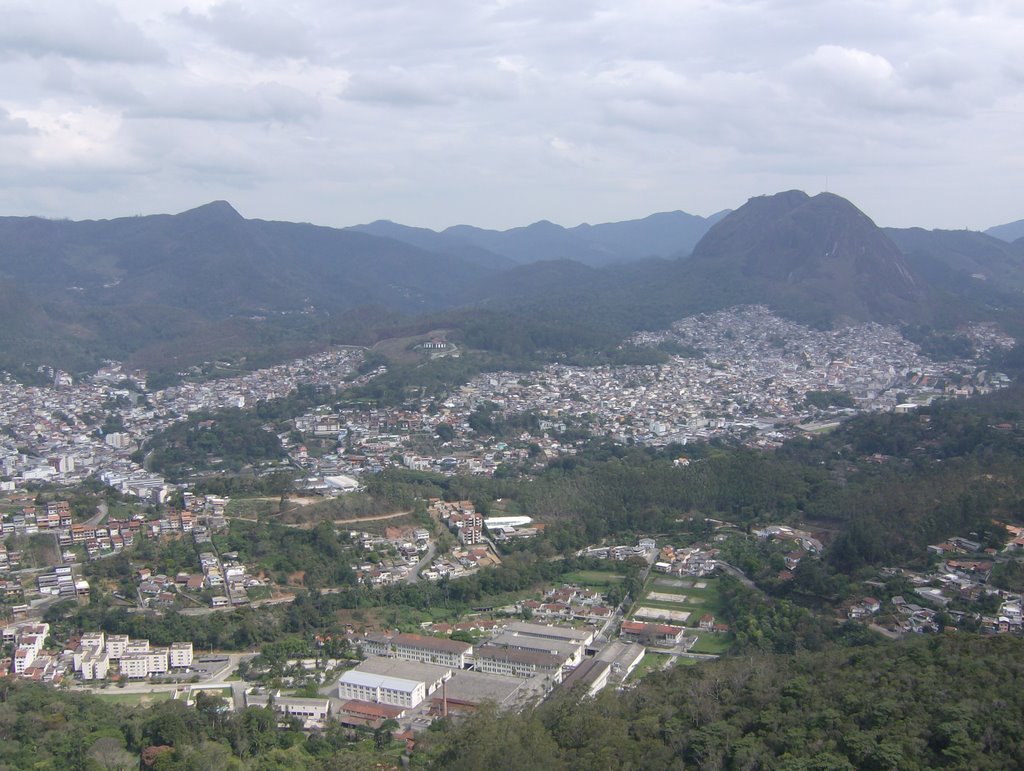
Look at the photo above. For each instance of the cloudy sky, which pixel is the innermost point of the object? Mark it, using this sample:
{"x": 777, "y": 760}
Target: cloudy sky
{"x": 505, "y": 112}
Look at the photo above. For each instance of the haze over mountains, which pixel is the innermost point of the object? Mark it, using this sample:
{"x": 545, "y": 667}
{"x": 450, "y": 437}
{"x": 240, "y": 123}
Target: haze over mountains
{"x": 207, "y": 282}
{"x": 667, "y": 234}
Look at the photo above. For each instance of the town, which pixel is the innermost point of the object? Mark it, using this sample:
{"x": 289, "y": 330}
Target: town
{"x": 752, "y": 379}
{"x": 624, "y": 610}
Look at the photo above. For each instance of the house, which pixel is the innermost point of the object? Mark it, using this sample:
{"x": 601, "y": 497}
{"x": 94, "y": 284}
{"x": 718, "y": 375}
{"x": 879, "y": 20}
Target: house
{"x": 312, "y": 712}
{"x": 365, "y": 714}
{"x": 658, "y": 635}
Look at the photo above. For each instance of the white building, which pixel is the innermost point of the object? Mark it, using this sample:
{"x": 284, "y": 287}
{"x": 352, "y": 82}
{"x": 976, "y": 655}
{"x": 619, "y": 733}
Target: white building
{"x": 383, "y": 689}
{"x": 116, "y": 644}
{"x": 28, "y": 644}
{"x": 180, "y": 655}
{"x": 93, "y": 664}
{"x": 133, "y": 647}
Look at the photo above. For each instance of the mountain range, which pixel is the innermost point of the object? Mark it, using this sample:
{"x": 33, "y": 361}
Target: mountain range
{"x": 667, "y": 234}
{"x": 166, "y": 290}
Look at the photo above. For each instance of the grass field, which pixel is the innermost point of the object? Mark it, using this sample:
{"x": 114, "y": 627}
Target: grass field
{"x": 712, "y": 643}
{"x": 136, "y": 699}
{"x": 648, "y": 663}
{"x": 595, "y": 578}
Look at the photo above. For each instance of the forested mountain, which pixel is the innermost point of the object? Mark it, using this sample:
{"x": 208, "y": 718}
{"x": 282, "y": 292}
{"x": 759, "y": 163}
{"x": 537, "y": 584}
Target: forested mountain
{"x": 170, "y": 290}
{"x": 211, "y": 262}
{"x": 820, "y": 254}
{"x": 431, "y": 240}
{"x": 206, "y": 281}
{"x": 817, "y": 260}
{"x": 952, "y": 257}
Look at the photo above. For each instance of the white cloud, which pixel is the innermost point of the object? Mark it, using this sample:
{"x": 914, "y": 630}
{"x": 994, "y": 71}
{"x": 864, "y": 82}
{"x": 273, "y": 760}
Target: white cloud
{"x": 10, "y": 125}
{"x": 505, "y": 111}
{"x": 262, "y": 102}
{"x": 262, "y": 31}
{"x": 80, "y": 30}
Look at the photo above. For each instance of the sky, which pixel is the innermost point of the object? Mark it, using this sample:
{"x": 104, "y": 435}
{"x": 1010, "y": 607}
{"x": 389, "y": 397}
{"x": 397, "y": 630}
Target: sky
{"x": 501, "y": 113}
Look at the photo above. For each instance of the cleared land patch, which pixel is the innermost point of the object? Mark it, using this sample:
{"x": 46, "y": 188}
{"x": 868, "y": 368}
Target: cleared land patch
{"x": 678, "y": 583}
{"x": 666, "y": 597}
{"x": 661, "y": 614}
{"x": 135, "y": 699}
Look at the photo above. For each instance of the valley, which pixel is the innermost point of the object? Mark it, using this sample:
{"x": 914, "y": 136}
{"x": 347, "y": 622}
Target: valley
{"x": 773, "y": 456}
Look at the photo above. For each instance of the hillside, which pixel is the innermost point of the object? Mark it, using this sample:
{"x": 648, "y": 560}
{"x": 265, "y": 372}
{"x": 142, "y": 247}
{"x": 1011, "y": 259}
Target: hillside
{"x": 207, "y": 276}
{"x": 952, "y": 257}
{"x": 170, "y": 290}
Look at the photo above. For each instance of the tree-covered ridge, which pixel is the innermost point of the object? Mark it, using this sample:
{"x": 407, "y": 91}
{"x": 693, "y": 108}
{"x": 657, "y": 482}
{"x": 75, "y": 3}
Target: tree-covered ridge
{"x": 228, "y": 440}
{"x": 941, "y": 702}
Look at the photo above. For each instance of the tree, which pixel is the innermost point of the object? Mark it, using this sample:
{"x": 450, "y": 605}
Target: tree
{"x": 110, "y": 753}
{"x": 382, "y": 735}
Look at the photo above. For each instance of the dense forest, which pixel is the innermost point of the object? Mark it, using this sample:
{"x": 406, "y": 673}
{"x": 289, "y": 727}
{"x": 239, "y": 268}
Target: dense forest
{"x": 939, "y": 702}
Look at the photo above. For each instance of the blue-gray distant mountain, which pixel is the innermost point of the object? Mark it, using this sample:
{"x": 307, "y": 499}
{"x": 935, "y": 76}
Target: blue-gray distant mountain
{"x": 431, "y": 240}
{"x": 667, "y": 234}
{"x": 1011, "y": 231}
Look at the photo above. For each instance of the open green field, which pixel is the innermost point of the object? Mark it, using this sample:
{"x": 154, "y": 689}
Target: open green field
{"x": 649, "y": 663}
{"x": 708, "y": 642}
{"x": 136, "y": 699}
{"x": 597, "y": 579}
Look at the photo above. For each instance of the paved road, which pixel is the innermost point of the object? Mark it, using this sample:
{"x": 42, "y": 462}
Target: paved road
{"x": 339, "y": 522}
{"x": 883, "y": 631}
{"x": 736, "y": 572}
{"x": 101, "y": 512}
{"x": 414, "y": 574}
